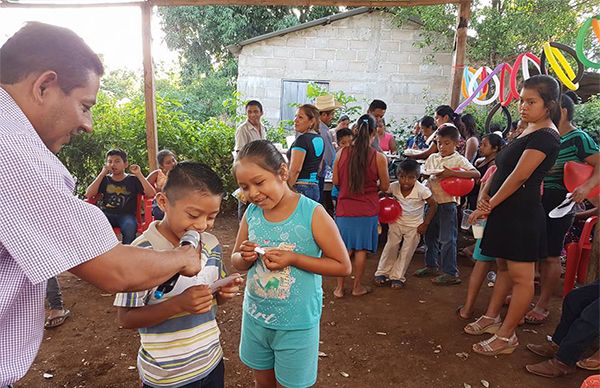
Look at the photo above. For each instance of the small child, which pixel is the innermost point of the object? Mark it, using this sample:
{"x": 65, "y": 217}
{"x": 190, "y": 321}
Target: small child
{"x": 344, "y": 139}
{"x": 179, "y": 333}
{"x": 442, "y": 233}
{"x": 413, "y": 196}
{"x": 119, "y": 192}
{"x": 166, "y": 161}
{"x": 298, "y": 242}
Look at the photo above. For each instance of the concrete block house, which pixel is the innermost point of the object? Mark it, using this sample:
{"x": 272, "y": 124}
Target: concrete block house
{"x": 361, "y": 51}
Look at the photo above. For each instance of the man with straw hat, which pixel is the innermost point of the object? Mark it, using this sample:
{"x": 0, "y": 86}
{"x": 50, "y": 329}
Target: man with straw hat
{"x": 326, "y": 105}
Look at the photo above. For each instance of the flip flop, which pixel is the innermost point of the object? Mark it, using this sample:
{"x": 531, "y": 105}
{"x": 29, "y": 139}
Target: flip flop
{"x": 534, "y": 317}
{"x": 589, "y": 364}
{"x": 460, "y": 316}
{"x": 368, "y": 290}
{"x": 57, "y": 321}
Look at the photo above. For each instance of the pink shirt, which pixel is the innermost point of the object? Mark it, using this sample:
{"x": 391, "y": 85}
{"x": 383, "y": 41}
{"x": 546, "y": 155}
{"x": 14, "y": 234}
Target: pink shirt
{"x": 385, "y": 141}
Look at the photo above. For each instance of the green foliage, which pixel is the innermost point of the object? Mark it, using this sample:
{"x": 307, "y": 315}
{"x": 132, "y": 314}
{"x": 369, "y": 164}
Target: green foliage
{"x": 347, "y": 101}
{"x": 123, "y": 126}
{"x": 201, "y": 34}
{"x": 587, "y": 117}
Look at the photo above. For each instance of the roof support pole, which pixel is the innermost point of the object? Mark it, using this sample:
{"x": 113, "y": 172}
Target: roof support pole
{"x": 464, "y": 13}
{"x": 150, "y": 102}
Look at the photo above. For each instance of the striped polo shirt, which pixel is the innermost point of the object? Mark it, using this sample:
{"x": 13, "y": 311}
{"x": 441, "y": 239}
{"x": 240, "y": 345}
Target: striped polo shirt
{"x": 184, "y": 348}
{"x": 576, "y": 146}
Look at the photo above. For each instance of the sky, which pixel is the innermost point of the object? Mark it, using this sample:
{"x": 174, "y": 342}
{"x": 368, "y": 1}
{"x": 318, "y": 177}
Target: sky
{"x": 113, "y": 32}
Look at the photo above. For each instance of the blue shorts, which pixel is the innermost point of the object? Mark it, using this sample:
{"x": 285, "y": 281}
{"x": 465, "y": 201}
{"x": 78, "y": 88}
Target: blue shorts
{"x": 293, "y": 354}
{"x": 477, "y": 255}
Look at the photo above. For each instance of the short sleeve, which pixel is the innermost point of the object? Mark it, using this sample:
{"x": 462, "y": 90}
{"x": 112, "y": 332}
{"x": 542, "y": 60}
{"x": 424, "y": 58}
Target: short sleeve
{"x": 103, "y": 184}
{"x": 544, "y": 141}
{"x": 586, "y": 146}
{"x": 430, "y": 163}
{"x": 139, "y": 188}
{"x": 465, "y": 164}
{"x": 43, "y": 226}
{"x": 394, "y": 189}
{"x": 301, "y": 144}
{"x": 131, "y": 299}
{"x": 424, "y": 192}
{"x": 240, "y": 139}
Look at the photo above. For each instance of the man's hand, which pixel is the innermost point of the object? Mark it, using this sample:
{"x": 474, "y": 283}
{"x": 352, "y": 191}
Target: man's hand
{"x": 135, "y": 170}
{"x": 276, "y": 259}
{"x": 422, "y": 229}
{"x": 190, "y": 259}
{"x": 195, "y": 300}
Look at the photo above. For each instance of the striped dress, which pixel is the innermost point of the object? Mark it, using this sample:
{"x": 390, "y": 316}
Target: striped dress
{"x": 184, "y": 348}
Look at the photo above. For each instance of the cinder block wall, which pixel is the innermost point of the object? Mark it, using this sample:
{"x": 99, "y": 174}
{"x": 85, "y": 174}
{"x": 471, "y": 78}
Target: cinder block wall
{"x": 365, "y": 55}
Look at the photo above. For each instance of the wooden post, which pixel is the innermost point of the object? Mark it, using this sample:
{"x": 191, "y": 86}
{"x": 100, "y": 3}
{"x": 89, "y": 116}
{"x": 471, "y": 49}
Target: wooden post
{"x": 150, "y": 102}
{"x": 464, "y": 13}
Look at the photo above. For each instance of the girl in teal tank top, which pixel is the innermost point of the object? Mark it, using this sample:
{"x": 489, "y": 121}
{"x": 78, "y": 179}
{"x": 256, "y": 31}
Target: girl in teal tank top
{"x": 285, "y": 241}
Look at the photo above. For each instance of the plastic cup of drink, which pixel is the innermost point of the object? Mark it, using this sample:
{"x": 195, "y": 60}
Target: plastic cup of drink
{"x": 478, "y": 228}
{"x": 465, "y": 225}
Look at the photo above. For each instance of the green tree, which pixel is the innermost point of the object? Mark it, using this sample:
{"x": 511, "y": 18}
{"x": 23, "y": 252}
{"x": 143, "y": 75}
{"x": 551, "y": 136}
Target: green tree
{"x": 201, "y": 34}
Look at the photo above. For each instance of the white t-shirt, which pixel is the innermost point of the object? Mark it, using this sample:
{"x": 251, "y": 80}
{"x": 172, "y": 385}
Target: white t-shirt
{"x": 436, "y": 162}
{"x": 413, "y": 205}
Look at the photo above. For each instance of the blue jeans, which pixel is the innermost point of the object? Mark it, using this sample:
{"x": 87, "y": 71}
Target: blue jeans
{"x": 53, "y": 294}
{"x": 215, "y": 379}
{"x": 578, "y": 327}
{"x": 309, "y": 190}
{"x": 440, "y": 239}
{"x": 126, "y": 222}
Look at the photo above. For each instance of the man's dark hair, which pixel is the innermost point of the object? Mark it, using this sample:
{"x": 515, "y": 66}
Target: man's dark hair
{"x": 254, "y": 103}
{"x": 409, "y": 166}
{"x": 448, "y": 131}
{"x": 192, "y": 176}
{"x": 39, "y": 47}
{"x": 117, "y": 152}
{"x": 377, "y": 104}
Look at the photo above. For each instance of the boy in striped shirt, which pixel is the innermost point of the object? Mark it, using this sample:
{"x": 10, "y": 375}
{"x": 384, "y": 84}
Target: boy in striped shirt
{"x": 179, "y": 334}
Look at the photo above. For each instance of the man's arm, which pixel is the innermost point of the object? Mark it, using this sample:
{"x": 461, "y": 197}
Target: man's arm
{"x": 129, "y": 268}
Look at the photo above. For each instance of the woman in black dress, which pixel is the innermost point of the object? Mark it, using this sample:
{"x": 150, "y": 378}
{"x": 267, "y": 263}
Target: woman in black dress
{"x": 515, "y": 232}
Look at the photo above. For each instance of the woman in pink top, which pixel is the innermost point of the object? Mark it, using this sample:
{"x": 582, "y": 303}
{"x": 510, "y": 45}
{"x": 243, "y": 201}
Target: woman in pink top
{"x": 386, "y": 139}
{"x": 360, "y": 171}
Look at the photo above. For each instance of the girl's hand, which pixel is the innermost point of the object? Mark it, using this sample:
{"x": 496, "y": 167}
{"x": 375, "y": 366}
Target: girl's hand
{"x": 276, "y": 259}
{"x": 477, "y": 214}
{"x": 484, "y": 205}
{"x": 247, "y": 251}
{"x": 580, "y": 193}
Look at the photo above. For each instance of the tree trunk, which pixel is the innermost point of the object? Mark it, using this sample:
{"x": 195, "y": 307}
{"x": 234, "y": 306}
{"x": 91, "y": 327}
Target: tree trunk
{"x": 594, "y": 266}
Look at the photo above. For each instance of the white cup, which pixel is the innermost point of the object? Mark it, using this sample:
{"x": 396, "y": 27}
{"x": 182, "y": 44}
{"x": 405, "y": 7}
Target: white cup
{"x": 478, "y": 228}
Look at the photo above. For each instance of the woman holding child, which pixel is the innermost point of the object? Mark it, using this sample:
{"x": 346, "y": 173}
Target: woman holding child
{"x": 515, "y": 232}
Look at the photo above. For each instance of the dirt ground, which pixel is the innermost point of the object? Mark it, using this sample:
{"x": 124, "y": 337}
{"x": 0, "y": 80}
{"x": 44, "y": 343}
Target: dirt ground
{"x": 388, "y": 338}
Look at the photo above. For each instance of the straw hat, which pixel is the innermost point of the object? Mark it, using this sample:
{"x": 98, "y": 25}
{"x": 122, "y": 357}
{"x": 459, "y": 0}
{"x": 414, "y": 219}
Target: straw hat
{"x": 326, "y": 103}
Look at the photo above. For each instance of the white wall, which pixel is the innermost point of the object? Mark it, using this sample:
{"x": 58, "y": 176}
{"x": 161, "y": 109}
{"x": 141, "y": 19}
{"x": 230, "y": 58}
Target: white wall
{"x": 366, "y": 56}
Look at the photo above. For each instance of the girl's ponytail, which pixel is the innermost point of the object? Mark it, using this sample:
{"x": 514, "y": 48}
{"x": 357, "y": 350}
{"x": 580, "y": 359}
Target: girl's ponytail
{"x": 360, "y": 153}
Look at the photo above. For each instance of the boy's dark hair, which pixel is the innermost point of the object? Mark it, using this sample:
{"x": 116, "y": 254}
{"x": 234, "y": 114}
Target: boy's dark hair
{"x": 162, "y": 154}
{"x": 264, "y": 154}
{"x": 427, "y": 121}
{"x": 495, "y": 127}
{"x": 408, "y": 166}
{"x": 39, "y": 47}
{"x": 449, "y": 131}
{"x": 254, "y": 103}
{"x": 117, "y": 152}
{"x": 377, "y": 104}
{"x": 343, "y": 133}
{"x": 192, "y": 176}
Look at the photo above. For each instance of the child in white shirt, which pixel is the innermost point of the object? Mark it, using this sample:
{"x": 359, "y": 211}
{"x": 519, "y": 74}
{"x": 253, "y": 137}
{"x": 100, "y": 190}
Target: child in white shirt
{"x": 408, "y": 229}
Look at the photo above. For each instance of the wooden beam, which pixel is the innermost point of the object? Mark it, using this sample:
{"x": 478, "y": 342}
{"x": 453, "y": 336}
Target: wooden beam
{"x": 100, "y": 4}
{"x": 464, "y": 13}
{"x": 297, "y": 3}
{"x": 150, "y": 102}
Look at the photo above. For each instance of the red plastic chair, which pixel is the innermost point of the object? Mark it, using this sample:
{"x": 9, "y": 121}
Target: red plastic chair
{"x": 143, "y": 214}
{"x": 578, "y": 256}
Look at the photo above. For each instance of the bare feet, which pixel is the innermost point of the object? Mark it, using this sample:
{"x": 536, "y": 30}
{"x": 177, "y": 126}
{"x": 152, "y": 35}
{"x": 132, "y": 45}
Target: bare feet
{"x": 338, "y": 293}
{"x": 361, "y": 290}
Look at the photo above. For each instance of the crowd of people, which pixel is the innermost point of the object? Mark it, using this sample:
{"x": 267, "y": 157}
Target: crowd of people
{"x": 286, "y": 240}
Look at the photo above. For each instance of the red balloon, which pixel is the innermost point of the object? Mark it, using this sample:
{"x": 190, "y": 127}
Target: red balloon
{"x": 457, "y": 187}
{"x": 576, "y": 174}
{"x": 389, "y": 210}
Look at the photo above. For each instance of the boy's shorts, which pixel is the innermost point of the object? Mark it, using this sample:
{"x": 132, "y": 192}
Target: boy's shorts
{"x": 294, "y": 354}
{"x": 477, "y": 255}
